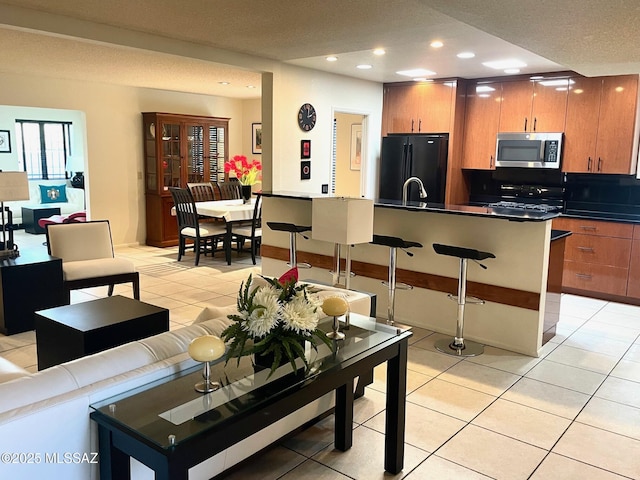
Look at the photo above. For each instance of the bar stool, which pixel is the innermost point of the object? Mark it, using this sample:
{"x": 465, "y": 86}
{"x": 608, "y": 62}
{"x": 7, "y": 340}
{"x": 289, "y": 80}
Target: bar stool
{"x": 459, "y": 347}
{"x": 293, "y": 230}
{"x": 394, "y": 243}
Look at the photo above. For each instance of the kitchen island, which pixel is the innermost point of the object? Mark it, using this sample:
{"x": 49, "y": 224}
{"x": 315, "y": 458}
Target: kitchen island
{"x": 514, "y": 285}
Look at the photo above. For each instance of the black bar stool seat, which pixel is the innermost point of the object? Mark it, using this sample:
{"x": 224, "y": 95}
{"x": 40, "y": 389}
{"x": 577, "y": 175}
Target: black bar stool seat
{"x": 459, "y": 347}
{"x": 293, "y": 230}
{"x": 394, "y": 243}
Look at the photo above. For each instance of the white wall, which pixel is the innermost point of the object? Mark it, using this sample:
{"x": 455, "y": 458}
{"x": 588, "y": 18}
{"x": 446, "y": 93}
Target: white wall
{"x": 328, "y": 93}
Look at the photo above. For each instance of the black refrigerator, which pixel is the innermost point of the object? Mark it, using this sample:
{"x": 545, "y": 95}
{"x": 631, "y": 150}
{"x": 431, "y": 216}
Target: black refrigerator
{"x": 404, "y": 156}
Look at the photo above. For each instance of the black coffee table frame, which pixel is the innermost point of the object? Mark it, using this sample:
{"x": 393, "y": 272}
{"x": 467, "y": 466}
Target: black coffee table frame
{"x": 117, "y": 443}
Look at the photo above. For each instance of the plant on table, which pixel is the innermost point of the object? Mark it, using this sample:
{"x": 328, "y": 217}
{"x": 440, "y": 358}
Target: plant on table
{"x": 246, "y": 172}
{"x": 275, "y": 319}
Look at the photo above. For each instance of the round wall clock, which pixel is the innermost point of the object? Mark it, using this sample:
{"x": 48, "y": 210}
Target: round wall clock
{"x": 307, "y": 117}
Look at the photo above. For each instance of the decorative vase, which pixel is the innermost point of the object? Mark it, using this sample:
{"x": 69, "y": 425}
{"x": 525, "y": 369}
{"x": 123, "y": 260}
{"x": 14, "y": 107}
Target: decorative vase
{"x": 246, "y": 193}
{"x": 78, "y": 180}
{"x": 266, "y": 361}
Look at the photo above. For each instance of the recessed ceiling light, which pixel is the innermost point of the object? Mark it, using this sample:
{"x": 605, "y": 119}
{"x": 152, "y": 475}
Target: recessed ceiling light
{"x": 223, "y": 83}
{"x": 511, "y": 71}
{"x": 364, "y": 66}
{"x": 504, "y": 64}
{"x": 466, "y": 55}
{"x": 557, "y": 82}
{"x": 251, "y": 86}
{"x": 379, "y": 51}
{"x": 437, "y": 44}
{"x": 416, "y": 72}
{"x": 332, "y": 58}
{"x": 484, "y": 88}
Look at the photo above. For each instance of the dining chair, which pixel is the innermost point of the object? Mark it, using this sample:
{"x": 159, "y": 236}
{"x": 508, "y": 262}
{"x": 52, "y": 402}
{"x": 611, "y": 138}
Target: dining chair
{"x": 191, "y": 227}
{"x": 230, "y": 190}
{"x": 88, "y": 260}
{"x": 201, "y": 192}
{"x": 252, "y": 232}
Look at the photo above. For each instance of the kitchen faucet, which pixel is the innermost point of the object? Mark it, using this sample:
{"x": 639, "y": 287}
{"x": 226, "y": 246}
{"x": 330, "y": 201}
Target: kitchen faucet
{"x": 405, "y": 187}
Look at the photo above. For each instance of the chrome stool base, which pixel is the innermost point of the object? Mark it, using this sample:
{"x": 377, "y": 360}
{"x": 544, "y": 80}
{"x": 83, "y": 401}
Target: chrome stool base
{"x": 467, "y": 349}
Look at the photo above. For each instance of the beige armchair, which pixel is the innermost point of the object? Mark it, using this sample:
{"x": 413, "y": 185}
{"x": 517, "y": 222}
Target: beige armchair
{"x": 86, "y": 250}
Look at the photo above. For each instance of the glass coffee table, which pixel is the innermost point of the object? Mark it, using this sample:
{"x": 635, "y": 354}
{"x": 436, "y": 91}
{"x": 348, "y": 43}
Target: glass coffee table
{"x": 170, "y": 427}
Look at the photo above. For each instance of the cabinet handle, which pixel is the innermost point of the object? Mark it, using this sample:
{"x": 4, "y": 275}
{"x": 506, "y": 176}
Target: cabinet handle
{"x": 419, "y": 125}
{"x": 525, "y": 124}
{"x": 412, "y": 125}
{"x": 585, "y": 249}
{"x": 588, "y": 227}
{"x": 491, "y": 161}
{"x": 599, "y": 163}
{"x": 585, "y": 276}
{"x": 589, "y": 165}
{"x": 535, "y": 122}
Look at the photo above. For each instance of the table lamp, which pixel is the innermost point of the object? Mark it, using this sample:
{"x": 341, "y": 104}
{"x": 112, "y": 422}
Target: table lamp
{"x": 342, "y": 221}
{"x": 13, "y": 186}
{"x": 206, "y": 349}
{"x": 335, "y": 307}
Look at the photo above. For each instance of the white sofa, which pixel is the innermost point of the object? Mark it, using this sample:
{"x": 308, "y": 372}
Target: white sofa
{"x": 47, "y": 413}
{"x": 74, "y": 203}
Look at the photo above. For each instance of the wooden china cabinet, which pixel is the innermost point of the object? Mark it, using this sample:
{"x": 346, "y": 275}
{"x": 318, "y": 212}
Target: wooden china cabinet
{"x": 178, "y": 149}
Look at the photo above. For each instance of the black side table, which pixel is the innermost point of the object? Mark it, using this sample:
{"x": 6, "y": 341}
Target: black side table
{"x": 74, "y": 331}
{"x": 31, "y": 282}
{"x": 31, "y": 215}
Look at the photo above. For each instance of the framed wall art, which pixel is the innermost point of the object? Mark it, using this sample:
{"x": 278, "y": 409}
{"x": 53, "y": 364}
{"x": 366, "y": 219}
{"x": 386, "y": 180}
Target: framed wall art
{"x": 356, "y": 146}
{"x": 305, "y": 149}
{"x": 305, "y": 170}
{"x": 5, "y": 141}
{"x": 256, "y": 138}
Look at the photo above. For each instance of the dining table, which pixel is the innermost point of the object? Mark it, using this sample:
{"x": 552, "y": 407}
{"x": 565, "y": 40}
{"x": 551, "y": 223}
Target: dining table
{"x": 232, "y": 212}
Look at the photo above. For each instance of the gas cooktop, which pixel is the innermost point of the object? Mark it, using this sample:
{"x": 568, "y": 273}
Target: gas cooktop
{"x": 540, "y": 207}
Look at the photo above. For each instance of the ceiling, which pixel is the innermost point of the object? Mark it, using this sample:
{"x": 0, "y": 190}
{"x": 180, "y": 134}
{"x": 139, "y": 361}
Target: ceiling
{"x": 124, "y": 42}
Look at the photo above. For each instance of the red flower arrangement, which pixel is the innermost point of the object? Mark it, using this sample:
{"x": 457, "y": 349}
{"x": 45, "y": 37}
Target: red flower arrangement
{"x": 246, "y": 172}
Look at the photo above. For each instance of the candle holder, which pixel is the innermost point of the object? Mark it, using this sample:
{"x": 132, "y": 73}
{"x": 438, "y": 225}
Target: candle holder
{"x": 335, "y": 307}
{"x": 206, "y": 349}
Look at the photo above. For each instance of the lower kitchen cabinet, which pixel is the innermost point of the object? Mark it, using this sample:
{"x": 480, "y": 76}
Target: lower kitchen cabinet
{"x": 633, "y": 284}
{"x": 598, "y": 256}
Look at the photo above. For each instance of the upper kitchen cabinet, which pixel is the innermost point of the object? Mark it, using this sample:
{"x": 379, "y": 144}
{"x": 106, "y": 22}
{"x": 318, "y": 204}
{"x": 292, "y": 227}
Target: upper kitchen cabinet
{"x": 482, "y": 117}
{"x": 178, "y": 149}
{"x": 534, "y": 106}
{"x": 418, "y": 107}
{"x": 601, "y": 125}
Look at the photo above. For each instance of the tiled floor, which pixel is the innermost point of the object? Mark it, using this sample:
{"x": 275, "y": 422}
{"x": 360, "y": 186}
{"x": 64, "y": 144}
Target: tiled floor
{"x": 574, "y": 413}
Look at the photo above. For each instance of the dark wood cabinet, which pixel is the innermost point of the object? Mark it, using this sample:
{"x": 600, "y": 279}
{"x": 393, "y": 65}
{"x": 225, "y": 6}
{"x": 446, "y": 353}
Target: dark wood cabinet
{"x": 601, "y": 125}
{"x": 178, "y": 149}
{"x": 598, "y": 256}
{"x": 424, "y": 107}
{"x": 482, "y": 116}
{"x": 534, "y": 106}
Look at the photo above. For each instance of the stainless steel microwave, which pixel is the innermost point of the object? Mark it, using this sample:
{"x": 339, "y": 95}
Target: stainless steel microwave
{"x": 529, "y": 150}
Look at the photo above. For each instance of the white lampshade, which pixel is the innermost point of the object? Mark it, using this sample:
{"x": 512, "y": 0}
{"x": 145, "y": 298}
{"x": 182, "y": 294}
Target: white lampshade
{"x": 342, "y": 220}
{"x": 13, "y": 186}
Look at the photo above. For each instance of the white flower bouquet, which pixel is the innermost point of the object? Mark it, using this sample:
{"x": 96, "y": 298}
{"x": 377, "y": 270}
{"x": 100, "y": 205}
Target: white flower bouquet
{"x": 274, "y": 321}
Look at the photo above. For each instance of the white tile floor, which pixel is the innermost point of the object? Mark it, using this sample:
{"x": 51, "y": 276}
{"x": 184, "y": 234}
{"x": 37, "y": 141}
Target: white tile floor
{"x": 572, "y": 414}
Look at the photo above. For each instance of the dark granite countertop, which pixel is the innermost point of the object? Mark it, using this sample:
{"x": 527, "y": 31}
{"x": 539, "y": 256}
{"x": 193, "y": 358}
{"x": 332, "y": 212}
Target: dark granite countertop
{"x": 558, "y": 234}
{"x": 510, "y": 214}
{"x": 604, "y": 216}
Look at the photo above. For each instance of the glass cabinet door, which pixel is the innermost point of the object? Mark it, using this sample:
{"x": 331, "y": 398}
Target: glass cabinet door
{"x": 170, "y": 155}
{"x": 216, "y": 153}
{"x": 196, "y": 160}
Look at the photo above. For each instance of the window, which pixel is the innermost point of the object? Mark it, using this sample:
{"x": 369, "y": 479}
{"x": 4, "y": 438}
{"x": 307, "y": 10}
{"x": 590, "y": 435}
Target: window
{"x": 43, "y": 148}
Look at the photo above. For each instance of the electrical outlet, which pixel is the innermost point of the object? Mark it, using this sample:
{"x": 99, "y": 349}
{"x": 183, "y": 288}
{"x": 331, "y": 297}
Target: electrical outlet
{"x": 325, "y": 188}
